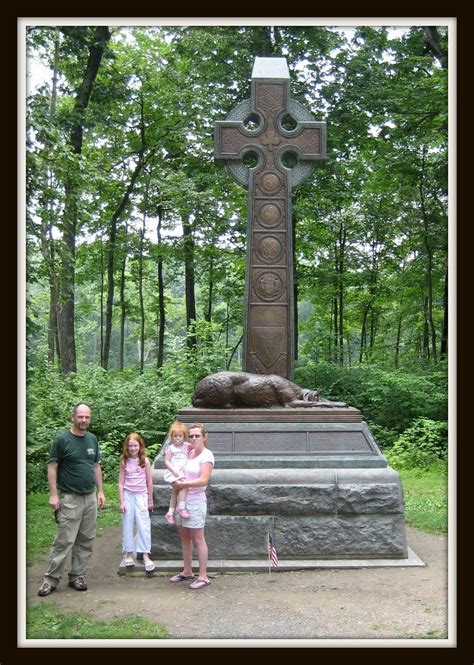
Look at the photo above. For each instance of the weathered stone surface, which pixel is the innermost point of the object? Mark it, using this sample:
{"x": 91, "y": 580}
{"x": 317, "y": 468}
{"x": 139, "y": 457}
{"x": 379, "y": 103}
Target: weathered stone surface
{"x": 366, "y": 536}
{"x": 288, "y": 475}
{"x": 297, "y": 492}
{"x": 272, "y": 499}
{"x": 312, "y": 513}
{"x": 372, "y": 498}
{"x": 161, "y": 498}
{"x": 229, "y": 537}
{"x": 165, "y": 540}
{"x": 321, "y": 537}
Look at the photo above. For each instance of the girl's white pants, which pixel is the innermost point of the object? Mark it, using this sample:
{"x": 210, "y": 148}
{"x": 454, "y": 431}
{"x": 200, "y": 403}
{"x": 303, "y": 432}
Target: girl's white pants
{"x": 136, "y": 518}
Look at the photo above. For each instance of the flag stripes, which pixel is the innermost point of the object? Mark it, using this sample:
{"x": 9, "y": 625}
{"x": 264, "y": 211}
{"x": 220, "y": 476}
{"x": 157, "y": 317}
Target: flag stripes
{"x": 272, "y": 553}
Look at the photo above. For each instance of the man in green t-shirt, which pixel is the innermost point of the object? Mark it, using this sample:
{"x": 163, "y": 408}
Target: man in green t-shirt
{"x": 74, "y": 470}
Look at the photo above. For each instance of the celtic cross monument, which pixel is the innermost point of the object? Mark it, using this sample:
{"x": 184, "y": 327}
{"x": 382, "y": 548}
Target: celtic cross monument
{"x": 286, "y": 142}
{"x": 314, "y": 478}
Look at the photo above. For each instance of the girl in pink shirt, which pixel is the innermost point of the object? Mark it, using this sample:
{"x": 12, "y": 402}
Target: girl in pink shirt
{"x": 135, "y": 489}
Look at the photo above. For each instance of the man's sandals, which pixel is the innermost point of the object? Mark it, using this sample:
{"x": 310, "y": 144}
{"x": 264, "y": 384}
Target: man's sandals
{"x": 79, "y": 583}
{"x": 45, "y": 589}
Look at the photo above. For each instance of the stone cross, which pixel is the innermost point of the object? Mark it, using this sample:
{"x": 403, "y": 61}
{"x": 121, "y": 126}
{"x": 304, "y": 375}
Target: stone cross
{"x": 285, "y": 141}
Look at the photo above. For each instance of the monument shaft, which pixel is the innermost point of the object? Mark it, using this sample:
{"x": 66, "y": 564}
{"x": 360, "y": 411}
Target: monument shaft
{"x": 269, "y": 304}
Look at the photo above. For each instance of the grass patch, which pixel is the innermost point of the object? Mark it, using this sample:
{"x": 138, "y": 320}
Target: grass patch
{"x": 426, "y": 498}
{"x": 46, "y": 622}
{"x": 41, "y": 527}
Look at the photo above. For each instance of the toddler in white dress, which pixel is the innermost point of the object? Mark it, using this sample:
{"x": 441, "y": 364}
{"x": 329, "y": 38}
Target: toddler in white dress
{"x": 176, "y": 458}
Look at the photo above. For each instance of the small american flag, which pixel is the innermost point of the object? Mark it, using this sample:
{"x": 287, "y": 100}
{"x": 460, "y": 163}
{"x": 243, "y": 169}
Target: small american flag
{"x": 272, "y": 553}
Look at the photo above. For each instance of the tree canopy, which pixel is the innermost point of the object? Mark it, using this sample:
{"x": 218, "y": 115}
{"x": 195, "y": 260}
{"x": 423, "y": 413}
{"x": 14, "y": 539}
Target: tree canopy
{"x": 136, "y": 239}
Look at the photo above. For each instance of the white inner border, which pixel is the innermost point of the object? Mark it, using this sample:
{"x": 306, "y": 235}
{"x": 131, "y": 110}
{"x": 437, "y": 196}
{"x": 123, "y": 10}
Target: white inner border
{"x": 343, "y": 22}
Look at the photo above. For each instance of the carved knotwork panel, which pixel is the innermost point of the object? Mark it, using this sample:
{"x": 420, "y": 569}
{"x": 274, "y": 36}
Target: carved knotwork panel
{"x": 270, "y": 98}
{"x": 270, "y": 249}
{"x": 232, "y": 140}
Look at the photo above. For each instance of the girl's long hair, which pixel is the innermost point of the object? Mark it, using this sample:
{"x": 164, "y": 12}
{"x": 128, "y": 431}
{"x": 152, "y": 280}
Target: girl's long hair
{"x": 141, "y": 453}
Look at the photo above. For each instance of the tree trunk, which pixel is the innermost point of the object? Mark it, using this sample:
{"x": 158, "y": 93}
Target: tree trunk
{"x": 342, "y": 249}
{"x": 429, "y": 254}
{"x": 113, "y": 236}
{"x": 111, "y": 258}
{"x": 46, "y": 240}
{"x": 432, "y": 41}
{"x": 397, "y": 343}
{"x": 264, "y": 41}
{"x": 373, "y": 330}
{"x": 140, "y": 289}
{"x": 188, "y": 241}
{"x": 295, "y": 291}
{"x": 161, "y": 297}
{"x": 363, "y": 335}
{"x": 331, "y": 331}
{"x": 339, "y": 256}
{"x": 66, "y": 330}
{"x": 101, "y": 303}
{"x": 444, "y": 336}
{"x": 123, "y": 313}
{"x": 208, "y": 310}
{"x": 426, "y": 343}
{"x": 229, "y": 359}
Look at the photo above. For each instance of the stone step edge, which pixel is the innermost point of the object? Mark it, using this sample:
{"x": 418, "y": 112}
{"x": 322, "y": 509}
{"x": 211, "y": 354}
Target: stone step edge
{"x": 285, "y": 565}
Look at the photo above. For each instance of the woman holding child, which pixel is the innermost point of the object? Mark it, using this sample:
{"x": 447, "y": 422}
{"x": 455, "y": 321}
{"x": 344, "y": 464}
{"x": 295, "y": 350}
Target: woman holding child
{"x": 197, "y": 473}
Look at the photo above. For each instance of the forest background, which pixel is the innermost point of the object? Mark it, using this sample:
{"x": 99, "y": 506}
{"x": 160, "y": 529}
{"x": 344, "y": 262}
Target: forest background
{"x": 136, "y": 240}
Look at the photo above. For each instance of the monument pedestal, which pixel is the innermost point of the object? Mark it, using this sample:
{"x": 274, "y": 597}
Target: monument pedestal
{"x": 312, "y": 477}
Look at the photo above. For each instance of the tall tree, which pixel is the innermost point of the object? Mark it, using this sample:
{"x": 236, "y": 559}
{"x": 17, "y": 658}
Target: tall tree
{"x": 66, "y": 332}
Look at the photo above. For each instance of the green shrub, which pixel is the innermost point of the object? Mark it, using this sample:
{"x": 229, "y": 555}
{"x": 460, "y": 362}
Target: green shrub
{"x": 391, "y": 399}
{"x": 422, "y": 444}
{"x": 384, "y": 436}
{"x": 121, "y": 402}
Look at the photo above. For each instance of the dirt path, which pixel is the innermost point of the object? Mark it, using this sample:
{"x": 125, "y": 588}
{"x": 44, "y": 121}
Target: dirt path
{"x": 366, "y": 603}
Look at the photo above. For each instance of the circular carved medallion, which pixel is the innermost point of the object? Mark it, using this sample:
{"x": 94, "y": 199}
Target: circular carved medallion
{"x": 269, "y": 248}
{"x": 268, "y": 285}
{"x": 269, "y": 215}
{"x": 270, "y": 182}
